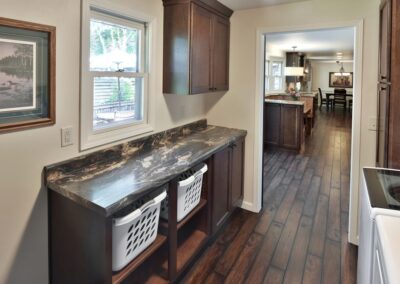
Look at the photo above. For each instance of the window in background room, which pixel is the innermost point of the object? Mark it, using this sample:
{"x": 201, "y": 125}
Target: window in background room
{"x": 114, "y": 77}
{"x": 274, "y": 75}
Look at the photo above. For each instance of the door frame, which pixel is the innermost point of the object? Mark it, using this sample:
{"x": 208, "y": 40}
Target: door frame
{"x": 355, "y": 168}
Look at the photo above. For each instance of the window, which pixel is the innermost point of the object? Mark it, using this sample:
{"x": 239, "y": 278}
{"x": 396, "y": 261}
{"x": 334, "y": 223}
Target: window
{"x": 114, "y": 95}
{"x": 274, "y": 75}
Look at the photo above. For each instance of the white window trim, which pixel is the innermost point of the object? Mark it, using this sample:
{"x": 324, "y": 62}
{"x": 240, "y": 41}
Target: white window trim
{"x": 89, "y": 138}
{"x": 270, "y": 77}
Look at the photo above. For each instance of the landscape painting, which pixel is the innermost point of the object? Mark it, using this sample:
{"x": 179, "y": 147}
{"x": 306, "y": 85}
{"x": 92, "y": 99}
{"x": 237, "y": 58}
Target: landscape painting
{"x": 17, "y": 75}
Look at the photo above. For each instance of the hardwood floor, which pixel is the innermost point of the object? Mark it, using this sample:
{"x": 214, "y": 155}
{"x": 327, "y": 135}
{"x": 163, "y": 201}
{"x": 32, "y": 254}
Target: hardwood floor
{"x": 301, "y": 234}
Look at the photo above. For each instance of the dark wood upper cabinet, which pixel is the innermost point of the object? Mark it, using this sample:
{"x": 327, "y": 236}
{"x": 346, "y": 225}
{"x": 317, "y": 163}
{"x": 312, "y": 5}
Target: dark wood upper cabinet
{"x": 220, "y": 68}
{"x": 196, "y": 46}
{"x": 201, "y": 50}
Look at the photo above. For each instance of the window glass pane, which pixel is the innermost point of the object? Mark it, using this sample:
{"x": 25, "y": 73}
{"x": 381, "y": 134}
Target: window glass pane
{"x": 277, "y": 83}
{"x": 266, "y": 67}
{"x": 276, "y": 69}
{"x": 113, "y": 47}
{"x": 266, "y": 83}
{"x": 116, "y": 100}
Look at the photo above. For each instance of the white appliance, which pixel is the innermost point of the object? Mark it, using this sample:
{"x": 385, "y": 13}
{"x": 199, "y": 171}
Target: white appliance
{"x": 375, "y": 200}
{"x": 386, "y": 257}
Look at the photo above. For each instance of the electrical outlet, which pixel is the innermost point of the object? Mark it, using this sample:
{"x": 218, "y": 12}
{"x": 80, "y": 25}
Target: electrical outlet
{"x": 372, "y": 124}
{"x": 67, "y": 137}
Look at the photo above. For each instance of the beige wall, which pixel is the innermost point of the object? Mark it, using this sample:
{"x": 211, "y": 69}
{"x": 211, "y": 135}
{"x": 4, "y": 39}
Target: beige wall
{"x": 320, "y": 73}
{"x": 237, "y": 108}
{"x": 23, "y": 207}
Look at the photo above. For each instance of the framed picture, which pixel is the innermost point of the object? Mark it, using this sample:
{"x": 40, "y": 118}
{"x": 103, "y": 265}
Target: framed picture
{"x": 27, "y": 75}
{"x": 337, "y": 80}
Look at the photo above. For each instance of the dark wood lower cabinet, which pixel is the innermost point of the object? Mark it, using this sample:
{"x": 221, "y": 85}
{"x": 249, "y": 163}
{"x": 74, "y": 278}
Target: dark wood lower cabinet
{"x": 237, "y": 174}
{"x": 221, "y": 175}
{"x": 227, "y": 184}
{"x": 80, "y": 239}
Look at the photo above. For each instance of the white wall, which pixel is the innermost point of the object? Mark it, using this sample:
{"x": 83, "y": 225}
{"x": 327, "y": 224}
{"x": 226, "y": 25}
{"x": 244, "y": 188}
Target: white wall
{"x": 23, "y": 204}
{"x": 237, "y": 108}
{"x": 320, "y": 73}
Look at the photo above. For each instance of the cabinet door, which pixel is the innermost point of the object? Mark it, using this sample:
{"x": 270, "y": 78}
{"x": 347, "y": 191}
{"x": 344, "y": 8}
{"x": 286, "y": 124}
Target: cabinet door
{"x": 237, "y": 174}
{"x": 291, "y": 126}
{"x": 385, "y": 41}
{"x": 220, "y": 62}
{"x": 220, "y": 188}
{"x": 272, "y": 123}
{"x": 200, "y": 63}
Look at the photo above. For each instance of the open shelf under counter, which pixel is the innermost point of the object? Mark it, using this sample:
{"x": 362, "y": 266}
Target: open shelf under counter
{"x": 164, "y": 223}
{"x": 121, "y": 275}
{"x": 189, "y": 245}
{"x": 189, "y": 248}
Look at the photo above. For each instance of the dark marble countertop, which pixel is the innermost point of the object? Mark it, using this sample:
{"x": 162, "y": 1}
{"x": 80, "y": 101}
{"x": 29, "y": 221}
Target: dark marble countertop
{"x": 109, "y": 180}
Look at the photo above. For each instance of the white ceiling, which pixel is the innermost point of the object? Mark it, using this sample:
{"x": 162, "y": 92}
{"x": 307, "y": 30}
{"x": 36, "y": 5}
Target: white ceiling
{"x": 250, "y": 4}
{"x": 319, "y": 45}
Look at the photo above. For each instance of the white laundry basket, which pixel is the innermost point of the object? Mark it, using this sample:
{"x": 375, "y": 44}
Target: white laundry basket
{"x": 133, "y": 233}
{"x": 189, "y": 192}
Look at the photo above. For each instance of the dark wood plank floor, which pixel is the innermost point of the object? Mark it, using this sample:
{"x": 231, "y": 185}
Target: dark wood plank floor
{"x": 301, "y": 234}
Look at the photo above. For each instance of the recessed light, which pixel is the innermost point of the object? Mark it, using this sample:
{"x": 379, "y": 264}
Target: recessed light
{"x": 339, "y": 53}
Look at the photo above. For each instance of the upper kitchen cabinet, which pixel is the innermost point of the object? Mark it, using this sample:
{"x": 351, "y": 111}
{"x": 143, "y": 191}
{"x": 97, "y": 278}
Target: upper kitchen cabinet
{"x": 196, "y": 46}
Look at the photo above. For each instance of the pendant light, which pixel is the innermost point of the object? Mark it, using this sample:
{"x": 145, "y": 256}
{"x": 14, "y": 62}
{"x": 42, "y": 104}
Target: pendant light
{"x": 341, "y": 70}
{"x": 294, "y": 71}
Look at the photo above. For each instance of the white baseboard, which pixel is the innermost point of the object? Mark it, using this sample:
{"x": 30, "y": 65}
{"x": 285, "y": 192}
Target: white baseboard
{"x": 249, "y": 206}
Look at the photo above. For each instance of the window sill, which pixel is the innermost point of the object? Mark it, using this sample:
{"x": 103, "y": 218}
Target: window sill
{"x": 90, "y": 141}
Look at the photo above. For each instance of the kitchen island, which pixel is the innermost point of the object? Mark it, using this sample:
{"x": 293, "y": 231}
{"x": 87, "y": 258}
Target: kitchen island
{"x": 284, "y": 119}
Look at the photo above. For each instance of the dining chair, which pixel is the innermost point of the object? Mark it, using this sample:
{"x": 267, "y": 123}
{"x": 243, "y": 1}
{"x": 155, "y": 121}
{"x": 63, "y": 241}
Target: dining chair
{"x": 339, "y": 98}
{"x": 326, "y": 101}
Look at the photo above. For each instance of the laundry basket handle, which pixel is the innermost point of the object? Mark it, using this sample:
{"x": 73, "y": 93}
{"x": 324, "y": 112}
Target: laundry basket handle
{"x": 128, "y": 218}
{"x": 155, "y": 200}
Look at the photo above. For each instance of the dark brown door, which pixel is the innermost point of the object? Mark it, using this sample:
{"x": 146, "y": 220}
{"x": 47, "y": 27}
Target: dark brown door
{"x": 291, "y": 123}
{"x": 237, "y": 174}
{"x": 385, "y": 41}
{"x": 200, "y": 67}
{"x": 220, "y": 200}
{"x": 220, "y": 65}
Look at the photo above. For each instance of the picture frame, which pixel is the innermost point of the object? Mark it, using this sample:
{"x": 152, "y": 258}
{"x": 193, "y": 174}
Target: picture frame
{"x": 27, "y": 75}
{"x": 344, "y": 80}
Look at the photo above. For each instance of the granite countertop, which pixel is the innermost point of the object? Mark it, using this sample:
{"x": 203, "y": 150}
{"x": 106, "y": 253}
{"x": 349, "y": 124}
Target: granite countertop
{"x": 286, "y": 102}
{"x": 302, "y": 94}
{"x": 108, "y": 180}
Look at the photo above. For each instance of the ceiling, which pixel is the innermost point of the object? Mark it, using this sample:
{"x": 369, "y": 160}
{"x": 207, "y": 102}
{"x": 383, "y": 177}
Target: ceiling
{"x": 318, "y": 45}
{"x": 250, "y": 4}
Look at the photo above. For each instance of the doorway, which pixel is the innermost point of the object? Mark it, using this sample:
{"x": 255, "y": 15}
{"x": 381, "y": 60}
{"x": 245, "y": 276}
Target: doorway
{"x": 353, "y": 116}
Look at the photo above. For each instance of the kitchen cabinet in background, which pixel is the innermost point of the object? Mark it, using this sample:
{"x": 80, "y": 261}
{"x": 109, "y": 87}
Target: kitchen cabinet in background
{"x": 196, "y": 46}
{"x": 283, "y": 125}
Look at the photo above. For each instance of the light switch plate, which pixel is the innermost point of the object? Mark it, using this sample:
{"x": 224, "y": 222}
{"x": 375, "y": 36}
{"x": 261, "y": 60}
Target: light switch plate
{"x": 373, "y": 124}
{"x": 67, "y": 138}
